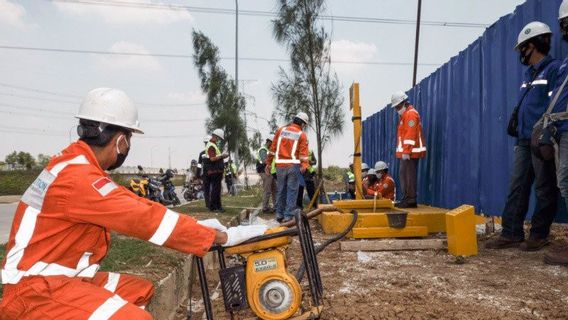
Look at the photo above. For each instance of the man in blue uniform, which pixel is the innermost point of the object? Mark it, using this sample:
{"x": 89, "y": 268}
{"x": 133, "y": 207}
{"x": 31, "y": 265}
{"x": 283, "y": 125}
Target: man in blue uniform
{"x": 540, "y": 77}
{"x": 560, "y": 257}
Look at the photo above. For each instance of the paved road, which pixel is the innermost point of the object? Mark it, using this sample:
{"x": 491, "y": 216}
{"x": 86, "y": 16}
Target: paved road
{"x": 6, "y": 214}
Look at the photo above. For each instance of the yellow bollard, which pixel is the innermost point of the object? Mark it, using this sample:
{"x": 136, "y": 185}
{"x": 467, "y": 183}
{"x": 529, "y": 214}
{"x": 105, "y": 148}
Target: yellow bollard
{"x": 460, "y": 230}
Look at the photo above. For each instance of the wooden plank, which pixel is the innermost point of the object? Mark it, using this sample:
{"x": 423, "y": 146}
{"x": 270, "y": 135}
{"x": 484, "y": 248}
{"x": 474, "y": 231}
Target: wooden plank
{"x": 394, "y": 245}
{"x": 385, "y": 232}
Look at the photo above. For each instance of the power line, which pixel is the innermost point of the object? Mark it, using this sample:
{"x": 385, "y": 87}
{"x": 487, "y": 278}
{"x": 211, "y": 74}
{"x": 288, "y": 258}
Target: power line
{"x": 77, "y": 102}
{"x": 270, "y": 14}
{"x": 186, "y": 56}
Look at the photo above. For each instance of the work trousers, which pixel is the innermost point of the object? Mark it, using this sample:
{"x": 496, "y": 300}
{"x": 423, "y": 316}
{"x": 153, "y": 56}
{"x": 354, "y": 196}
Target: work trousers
{"x": 528, "y": 169}
{"x": 310, "y": 188}
{"x": 105, "y": 296}
{"x": 269, "y": 190}
{"x": 215, "y": 201}
{"x": 288, "y": 182}
{"x": 562, "y": 164}
{"x": 207, "y": 190}
{"x": 408, "y": 179}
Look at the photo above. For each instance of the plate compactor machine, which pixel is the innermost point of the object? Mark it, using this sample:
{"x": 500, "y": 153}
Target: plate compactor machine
{"x": 262, "y": 282}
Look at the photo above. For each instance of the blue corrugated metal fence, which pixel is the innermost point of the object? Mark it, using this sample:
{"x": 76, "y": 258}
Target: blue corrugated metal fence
{"x": 465, "y": 107}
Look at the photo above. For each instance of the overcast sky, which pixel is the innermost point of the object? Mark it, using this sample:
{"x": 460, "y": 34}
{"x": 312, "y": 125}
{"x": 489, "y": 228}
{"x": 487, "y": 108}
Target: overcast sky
{"x": 40, "y": 91}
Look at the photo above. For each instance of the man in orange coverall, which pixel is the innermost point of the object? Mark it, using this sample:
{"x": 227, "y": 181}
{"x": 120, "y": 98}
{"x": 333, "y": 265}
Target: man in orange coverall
{"x": 61, "y": 229}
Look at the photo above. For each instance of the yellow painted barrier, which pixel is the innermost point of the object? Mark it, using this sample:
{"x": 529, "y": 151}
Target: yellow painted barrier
{"x": 364, "y": 204}
{"x": 434, "y": 219}
{"x": 460, "y": 230}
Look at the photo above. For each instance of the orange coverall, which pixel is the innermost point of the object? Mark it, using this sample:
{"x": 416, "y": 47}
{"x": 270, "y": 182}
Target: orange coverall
{"x": 61, "y": 232}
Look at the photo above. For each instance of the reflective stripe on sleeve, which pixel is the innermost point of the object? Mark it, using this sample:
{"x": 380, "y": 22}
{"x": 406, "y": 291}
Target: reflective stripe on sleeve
{"x": 540, "y": 82}
{"x": 112, "y": 281}
{"x": 422, "y": 149}
{"x": 166, "y": 228}
{"x": 108, "y": 308}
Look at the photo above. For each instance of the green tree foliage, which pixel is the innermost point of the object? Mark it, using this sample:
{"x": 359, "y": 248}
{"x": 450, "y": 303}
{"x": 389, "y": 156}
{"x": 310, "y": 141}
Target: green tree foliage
{"x": 42, "y": 160}
{"x": 309, "y": 85}
{"x": 12, "y": 158}
{"x": 25, "y": 159}
{"x": 226, "y": 106}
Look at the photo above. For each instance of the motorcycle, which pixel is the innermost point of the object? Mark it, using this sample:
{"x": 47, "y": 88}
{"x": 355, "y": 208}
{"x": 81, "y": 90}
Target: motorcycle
{"x": 169, "y": 192}
{"x": 148, "y": 187}
{"x": 192, "y": 191}
{"x": 139, "y": 186}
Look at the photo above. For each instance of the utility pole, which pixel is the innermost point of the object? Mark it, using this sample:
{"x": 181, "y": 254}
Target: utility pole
{"x": 416, "y": 42}
{"x": 237, "y": 68}
{"x": 169, "y": 157}
{"x": 244, "y": 81}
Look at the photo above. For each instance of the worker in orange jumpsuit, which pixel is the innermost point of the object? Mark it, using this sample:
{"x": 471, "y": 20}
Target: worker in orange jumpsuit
{"x": 61, "y": 229}
{"x": 410, "y": 147}
{"x": 289, "y": 149}
{"x": 384, "y": 184}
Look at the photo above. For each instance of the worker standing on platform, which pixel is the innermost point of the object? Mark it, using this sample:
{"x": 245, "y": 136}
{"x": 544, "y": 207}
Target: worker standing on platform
{"x": 268, "y": 182}
{"x": 290, "y": 152}
{"x": 410, "y": 147}
{"x": 533, "y": 46}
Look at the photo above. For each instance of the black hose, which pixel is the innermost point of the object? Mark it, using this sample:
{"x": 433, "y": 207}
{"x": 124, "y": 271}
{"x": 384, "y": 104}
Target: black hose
{"x": 301, "y": 271}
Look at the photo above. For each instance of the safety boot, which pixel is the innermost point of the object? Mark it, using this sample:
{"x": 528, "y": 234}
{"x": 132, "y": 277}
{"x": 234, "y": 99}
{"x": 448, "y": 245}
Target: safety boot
{"x": 534, "y": 244}
{"x": 502, "y": 242}
{"x": 558, "y": 257}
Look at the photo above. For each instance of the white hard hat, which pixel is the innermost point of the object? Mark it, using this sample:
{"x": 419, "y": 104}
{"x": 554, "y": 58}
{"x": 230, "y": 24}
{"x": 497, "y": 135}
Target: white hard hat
{"x": 563, "y": 11}
{"x": 364, "y": 166}
{"x": 219, "y": 133}
{"x": 531, "y": 30}
{"x": 110, "y": 106}
{"x": 381, "y": 165}
{"x": 206, "y": 138}
{"x": 397, "y": 98}
{"x": 371, "y": 172}
{"x": 303, "y": 116}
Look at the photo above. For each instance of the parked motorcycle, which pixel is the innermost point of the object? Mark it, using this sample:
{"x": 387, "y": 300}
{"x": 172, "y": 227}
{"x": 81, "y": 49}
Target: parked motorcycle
{"x": 169, "y": 192}
{"x": 148, "y": 187}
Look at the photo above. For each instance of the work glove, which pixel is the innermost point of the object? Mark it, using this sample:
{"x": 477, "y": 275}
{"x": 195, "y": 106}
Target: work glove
{"x": 240, "y": 234}
{"x": 214, "y": 224}
{"x": 405, "y": 157}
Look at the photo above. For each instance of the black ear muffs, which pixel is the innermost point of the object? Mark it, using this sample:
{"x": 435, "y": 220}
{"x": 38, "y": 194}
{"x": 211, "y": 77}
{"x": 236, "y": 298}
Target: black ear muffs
{"x": 88, "y": 131}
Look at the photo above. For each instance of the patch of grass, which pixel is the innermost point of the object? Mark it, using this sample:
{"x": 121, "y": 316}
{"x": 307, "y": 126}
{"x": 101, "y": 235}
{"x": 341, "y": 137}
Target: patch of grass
{"x": 16, "y": 182}
{"x": 233, "y": 205}
{"x": 133, "y": 254}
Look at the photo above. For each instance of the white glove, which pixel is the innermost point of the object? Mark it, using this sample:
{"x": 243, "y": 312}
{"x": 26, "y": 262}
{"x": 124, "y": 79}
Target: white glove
{"x": 236, "y": 235}
{"x": 405, "y": 157}
{"x": 213, "y": 223}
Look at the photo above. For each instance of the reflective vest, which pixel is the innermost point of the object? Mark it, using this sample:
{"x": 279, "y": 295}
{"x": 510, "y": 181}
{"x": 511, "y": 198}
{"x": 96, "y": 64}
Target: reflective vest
{"x": 410, "y": 137}
{"x": 312, "y": 162}
{"x": 213, "y": 167}
{"x": 385, "y": 187}
{"x": 209, "y": 145}
{"x": 350, "y": 177}
{"x": 290, "y": 147}
{"x": 63, "y": 221}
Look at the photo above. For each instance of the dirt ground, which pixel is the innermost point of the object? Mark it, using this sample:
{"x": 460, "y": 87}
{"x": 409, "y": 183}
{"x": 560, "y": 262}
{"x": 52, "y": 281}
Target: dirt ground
{"x": 505, "y": 284}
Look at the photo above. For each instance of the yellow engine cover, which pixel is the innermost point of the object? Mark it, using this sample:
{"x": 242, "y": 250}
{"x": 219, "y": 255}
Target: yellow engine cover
{"x": 273, "y": 293}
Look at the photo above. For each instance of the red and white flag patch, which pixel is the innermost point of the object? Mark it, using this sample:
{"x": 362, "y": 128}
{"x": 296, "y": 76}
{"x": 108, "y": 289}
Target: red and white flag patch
{"x": 104, "y": 186}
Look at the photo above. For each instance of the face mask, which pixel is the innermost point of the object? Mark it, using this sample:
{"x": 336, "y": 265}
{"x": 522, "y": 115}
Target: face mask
{"x": 119, "y": 156}
{"x": 364, "y": 174}
{"x": 379, "y": 176}
{"x": 401, "y": 111}
{"x": 525, "y": 58}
